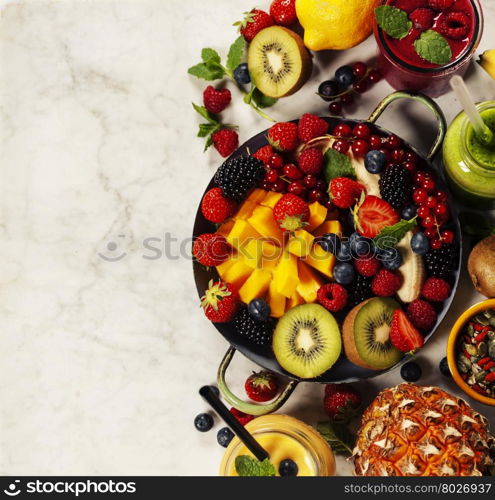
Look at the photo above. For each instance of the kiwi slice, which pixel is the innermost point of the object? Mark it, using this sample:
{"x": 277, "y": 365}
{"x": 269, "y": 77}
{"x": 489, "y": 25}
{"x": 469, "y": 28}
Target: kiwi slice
{"x": 278, "y": 61}
{"x": 366, "y": 333}
{"x": 306, "y": 341}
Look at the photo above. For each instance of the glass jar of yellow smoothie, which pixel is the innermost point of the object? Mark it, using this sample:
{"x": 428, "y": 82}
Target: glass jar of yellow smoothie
{"x": 284, "y": 437}
{"x": 469, "y": 164}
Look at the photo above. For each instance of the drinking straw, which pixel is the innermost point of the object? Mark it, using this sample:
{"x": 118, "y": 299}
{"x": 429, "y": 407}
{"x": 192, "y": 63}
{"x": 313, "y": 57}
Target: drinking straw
{"x": 251, "y": 444}
{"x": 483, "y": 133}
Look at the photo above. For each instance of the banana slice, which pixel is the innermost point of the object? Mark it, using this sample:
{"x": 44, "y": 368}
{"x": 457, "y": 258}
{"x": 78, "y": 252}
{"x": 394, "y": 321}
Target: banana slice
{"x": 412, "y": 269}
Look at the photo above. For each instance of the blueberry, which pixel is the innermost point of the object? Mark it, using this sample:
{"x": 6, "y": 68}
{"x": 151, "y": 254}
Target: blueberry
{"x": 241, "y": 74}
{"x": 420, "y": 243}
{"x": 328, "y": 90}
{"x": 345, "y": 76}
{"x": 375, "y": 162}
{"x": 343, "y": 273}
{"x": 444, "y": 368}
{"x": 360, "y": 245}
{"x": 411, "y": 372}
{"x": 288, "y": 467}
{"x": 392, "y": 264}
{"x": 203, "y": 422}
{"x": 259, "y": 309}
{"x": 224, "y": 436}
{"x": 344, "y": 252}
{"x": 330, "y": 243}
{"x": 409, "y": 212}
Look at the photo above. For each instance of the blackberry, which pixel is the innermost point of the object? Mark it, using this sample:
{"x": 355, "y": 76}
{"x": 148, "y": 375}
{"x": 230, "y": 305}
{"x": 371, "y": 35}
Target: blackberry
{"x": 396, "y": 185}
{"x": 441, "y": 262}
{"x": 360, "y": 290}
{"x": 238, "y": 175}
{"x": 258, "y": 332}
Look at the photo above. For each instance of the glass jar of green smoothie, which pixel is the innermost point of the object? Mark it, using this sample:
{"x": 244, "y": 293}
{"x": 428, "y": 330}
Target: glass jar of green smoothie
{"x": 470, "y": 164}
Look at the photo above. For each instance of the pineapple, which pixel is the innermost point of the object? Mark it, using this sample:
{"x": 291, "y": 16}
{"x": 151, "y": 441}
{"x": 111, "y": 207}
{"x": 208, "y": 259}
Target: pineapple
{"x": 411, "y": 430}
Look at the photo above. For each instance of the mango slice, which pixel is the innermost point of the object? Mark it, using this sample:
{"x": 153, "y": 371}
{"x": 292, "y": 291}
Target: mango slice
{"x": 245, "y": 211}
{"x": 301, "y": 243}
{"x": 271, "y": 199}
{"x": 285, "y": 275}
{"x": 309, "y": 283}
{"x": 225, "y": 228}
{"x": 294, "y": 301}
{"x": 317, "y": 215}
{"x": 255, "y": 250}
{"x": 321, "y": 260}
{"x": 276, "y": 301}
{"x": 224, "y": 266}
{"x": 240, "y": 232}
{"x": 262, "y": 221}
{"x": 256, "y": 196}
{"x": 238, "y": 273}
{"x": 330, "y": 226}
{"x": 256, "y": 285}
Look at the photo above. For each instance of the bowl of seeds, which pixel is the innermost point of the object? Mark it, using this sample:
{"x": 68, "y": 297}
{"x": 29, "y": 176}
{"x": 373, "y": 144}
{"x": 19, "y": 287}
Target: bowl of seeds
{"x": 471, "y": 352}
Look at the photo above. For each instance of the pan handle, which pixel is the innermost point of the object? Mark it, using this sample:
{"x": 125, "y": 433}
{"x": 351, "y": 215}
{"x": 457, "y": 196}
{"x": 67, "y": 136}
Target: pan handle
{"x": 428, "y": 102}
{"x": 249, "y": 408}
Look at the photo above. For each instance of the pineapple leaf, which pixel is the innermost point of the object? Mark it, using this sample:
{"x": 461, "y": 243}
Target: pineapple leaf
{"x": 337, "y": 436}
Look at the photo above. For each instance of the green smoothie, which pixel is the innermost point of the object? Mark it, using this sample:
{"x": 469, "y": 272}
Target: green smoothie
{"x": 469, "y": 164}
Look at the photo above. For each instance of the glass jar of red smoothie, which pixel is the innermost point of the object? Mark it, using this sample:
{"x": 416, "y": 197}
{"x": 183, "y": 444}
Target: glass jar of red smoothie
{"x": 460, "y": 22}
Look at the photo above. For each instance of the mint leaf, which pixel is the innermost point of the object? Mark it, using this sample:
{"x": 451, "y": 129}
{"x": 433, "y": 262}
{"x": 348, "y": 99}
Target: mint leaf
{"x": 209, "y": 72}
{"x": 210, "y": 56}
{"x": 337, "y": 436}
{"x": 338, "y": 165}
{"x": 261, "y": 100}
{"x": 393, "y": 21}
{"x": 236, "y": 53}
{"x": 206, "y": 129}
{"x": 204, "y": 113}
{"x": 433, "y": 47}
{"x": 246, "y": 466}
{"x": 391, "y": 236}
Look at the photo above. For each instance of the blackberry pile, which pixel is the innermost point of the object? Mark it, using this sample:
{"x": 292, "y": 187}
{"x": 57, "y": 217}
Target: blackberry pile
{"x": 258, "y": 332}
{"x": 396, "y": 185}
{"x": 238, "y": 175}
{"x": 360, "y": 290}
{"x": 441, "y": 262}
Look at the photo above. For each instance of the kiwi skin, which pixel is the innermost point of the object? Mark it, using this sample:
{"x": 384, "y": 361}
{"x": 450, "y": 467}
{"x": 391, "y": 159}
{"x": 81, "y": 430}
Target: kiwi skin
{"x": 481, "y": 266}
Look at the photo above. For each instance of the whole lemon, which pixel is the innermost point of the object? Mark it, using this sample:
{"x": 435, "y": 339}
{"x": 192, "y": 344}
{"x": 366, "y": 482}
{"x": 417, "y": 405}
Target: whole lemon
{"x": 335, "y": 24}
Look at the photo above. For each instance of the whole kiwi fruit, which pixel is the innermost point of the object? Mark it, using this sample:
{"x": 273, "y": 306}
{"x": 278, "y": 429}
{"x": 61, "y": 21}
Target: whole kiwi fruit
{"x": 481, "y": 266}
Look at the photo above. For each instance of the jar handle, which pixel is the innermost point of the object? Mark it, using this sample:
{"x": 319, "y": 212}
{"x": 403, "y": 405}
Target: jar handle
{"x": 249, "y": 408}
{"x": 428, "y": 102}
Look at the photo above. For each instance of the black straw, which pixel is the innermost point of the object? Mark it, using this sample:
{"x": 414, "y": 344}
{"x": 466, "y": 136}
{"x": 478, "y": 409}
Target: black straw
{"x": 251, "y": 444}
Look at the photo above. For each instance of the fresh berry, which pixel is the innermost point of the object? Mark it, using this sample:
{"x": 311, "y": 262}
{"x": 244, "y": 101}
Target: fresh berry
{"x": 436, "y": 243}
{"x": 444, "y": 368}
{"x": 332, "y": 297}
{"x": 330, "y": 243}
{"x": 220, "y": 302}
{"x": 241, "y": 417}
{"x": 345, "y": 192}
{"x": 265, "y": 154}
{"x": 284, "y": 12}
{"x": 420, "y": 243}
{"x": 224, "y": 436}
{"x": 343, "y": 273}
{"x": 203, "y": 422}
{"x": 360, "y": 87}
{"x": 344, "y": 252}
{"x": 440, "y": 262}
{"x": 374, "y": 76}
{"x": 347, "y": 99}
{"x": 258, "y": 332}
{"x": 435, "y": 289}
{"x": 386, "y": 283}
{"x": 375, "y": 162}
{"x": 367, "y": 266}
{"x": 375, "y": 141}
{"x": 341, "y": 402}
{"x": 238, "y": 175}
{"x": 440, "y": 4}
{"x": 259, "y": 309}
{"x": 311, "y": 126}
{"x": 409, "y": 212}
{"x": 342, "y": 130}
{"x": 431, "y": 233}
{"x": 297, "y": 188}
{"x": 359, "y": 69}
{"x": 316, "y": 195}
{"x": 291, "y": 212}
{"x": 292, "y": 172}
{"x": 261, "y": 387}
{"x": 361, "y": 131}
{"x": 276, "y": 161}
{"x": 216, "y": 207}
{"x": 345, "y": 76}
{"x": 410, "y": 5}
{"x": 288, "y": 468}
{"x": 454, "y": 25}
{"x": 360, "y": 245}
{"x": 311, "y": 161}
{"x": 396, "y": 186}
{"x": 360, "y": 148}
{"x": 328, "y": 90}
{"x": 423, "y": 211}
{"x": 284, "y": 136}
{"x": 403, "y": 335}
{"x": 393, "y": 142}
{"x": 271, "y": 176}
{"x": 253, "y": 23}
{"x": 335, "y": 108}
{"x": 360, "y": 290}
{"x": 241, "y": 74}
{"x": 447, "y": 236}
{"x": 422, "y": 18}
{"x": 411, "y": 372}
{"x": 422, "y": 314}
{"x": 216, "y": 101}
{"x": 342, "y": 146}
{"x": 393, "y": 261}
{"x": 373, "y": 215}
{"x": 398, "y": 155}
{"x": 226, "y": 141}
{"x": 211, "y": 249}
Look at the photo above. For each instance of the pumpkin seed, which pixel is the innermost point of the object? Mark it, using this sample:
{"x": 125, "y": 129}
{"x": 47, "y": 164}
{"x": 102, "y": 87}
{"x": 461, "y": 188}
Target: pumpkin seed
{"x": 480, "y": 376}
{"x": 482, "y": 349}
{"x": 481, "y": 319}
{"x": 491, "y": 321}
{"x": 491, "y": 348}
{"x": 470, "y": 330}
{"x": 471, "y": 349}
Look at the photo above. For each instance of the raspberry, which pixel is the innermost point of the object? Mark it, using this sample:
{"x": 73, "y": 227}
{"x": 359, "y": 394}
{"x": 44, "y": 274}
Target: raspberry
{"x": 216, "y": 207}
{"x": 284, "y": 136}
{"x": 226, "y": 141}
{"x": 311, "y": 161}
{"x": 345, "y": 192}
{"x": 454, "y": 25}
{"x": 311, "y": 126}
{"x": 440, "y": 4}
{"x": 265, "y": 154}
{"x": 386, "y": 283}
{"x": 332, "y": 297}
{"x": 242, "y": 417}
{"x": 211, "y": 249}
{"x": 410, "y": 5}
{"x": 422, "y": 18}
{"x": 367, "y": 266}
{"x": 435, "y": 289}
{"x": 216, "y": 101}
{"x": 422, "y": 314}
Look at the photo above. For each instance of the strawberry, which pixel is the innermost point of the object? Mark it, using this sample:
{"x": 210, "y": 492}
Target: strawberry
{"x": 216, "y": 207}
{"x": 341, "y": 402}
{"x": 211, "y": 249}
{"x": 226, "y": 141}
{"x": 311, "y": 161}
{"x": 216, "y": 101}
{"x": 284, "y": 12}
{"x": 265, "y": 154}
{"x": 373, "y": 215}
{"x": 220, "y": 302}
{"x": 262, "y": 386}
{"x": 422, "y": 18}
{"x": 283, "y": 136}
{"x": 311, "y": 126}
{"x": 403, "y": 335}
{"x": 291, "y": 212}
{"x": 345, "y": 192}
{"x": 253, "y": 23}
{"x": 242, "y": 417}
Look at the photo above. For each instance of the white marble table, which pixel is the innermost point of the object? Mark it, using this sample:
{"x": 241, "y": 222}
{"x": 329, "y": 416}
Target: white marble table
{"x": 101, "y": 361}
